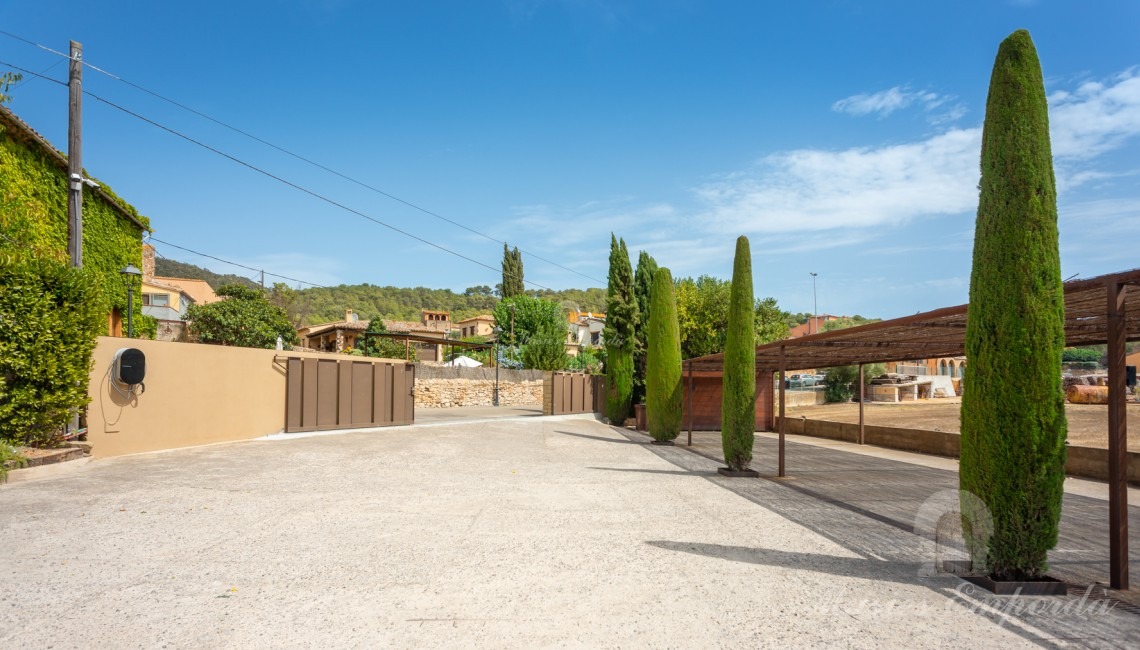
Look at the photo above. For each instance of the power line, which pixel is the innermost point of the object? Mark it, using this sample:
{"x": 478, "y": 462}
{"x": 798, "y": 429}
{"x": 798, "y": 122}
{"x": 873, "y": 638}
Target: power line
{"x": 303, "y": 158}
{"x": 250, "y": 268}
{"x": 279, "y": 179}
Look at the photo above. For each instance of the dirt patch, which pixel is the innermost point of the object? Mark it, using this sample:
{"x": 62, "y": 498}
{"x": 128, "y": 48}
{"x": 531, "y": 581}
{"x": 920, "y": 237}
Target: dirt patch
{"x": 1088, "y": 423}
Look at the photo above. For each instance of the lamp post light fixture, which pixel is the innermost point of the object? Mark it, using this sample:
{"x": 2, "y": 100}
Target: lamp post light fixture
{"x": 130, "y": 273}
{"x": 814, "y": 305}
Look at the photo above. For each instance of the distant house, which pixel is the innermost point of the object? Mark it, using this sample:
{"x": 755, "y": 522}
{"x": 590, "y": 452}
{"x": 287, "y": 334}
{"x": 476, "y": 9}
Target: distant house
{"x": 168, "y": 299}
{"x": 34, "y": 194}
{"x": 483, "y": 325}
{"x": 585, "y": 331}
{"x": 342, "y": 335}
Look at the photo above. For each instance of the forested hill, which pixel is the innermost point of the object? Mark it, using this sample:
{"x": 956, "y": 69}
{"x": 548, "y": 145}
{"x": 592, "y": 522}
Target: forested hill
{"x": 168, "y": 268}
{"x": 398, "y": 303}
{"x": 321, "y": 305}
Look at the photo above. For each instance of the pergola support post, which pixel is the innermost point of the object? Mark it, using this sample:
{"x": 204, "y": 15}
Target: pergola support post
{"x": 780, "y": 471}
{"x": 1117, "y": 440}
{"x": 689, "y": 407}
{"x": 862, "y": 388}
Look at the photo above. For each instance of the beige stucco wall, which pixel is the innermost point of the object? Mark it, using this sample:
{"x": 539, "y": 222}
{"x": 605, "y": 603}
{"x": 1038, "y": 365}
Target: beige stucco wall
{"x": 195, "y": 394}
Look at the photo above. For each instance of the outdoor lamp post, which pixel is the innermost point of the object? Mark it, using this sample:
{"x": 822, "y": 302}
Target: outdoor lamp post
{"x": 130, "y": 273}
{"x": 814, "y": 305}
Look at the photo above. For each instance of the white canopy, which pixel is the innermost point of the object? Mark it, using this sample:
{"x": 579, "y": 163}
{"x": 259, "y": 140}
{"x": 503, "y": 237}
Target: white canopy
{"x": 464, "y": 361}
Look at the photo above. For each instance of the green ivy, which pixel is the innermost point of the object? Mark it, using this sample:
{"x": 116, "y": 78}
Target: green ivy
{"x": 33, "y": 217}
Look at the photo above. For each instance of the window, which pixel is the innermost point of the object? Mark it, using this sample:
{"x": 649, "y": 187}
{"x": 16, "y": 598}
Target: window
{"x": 156, "y": 299}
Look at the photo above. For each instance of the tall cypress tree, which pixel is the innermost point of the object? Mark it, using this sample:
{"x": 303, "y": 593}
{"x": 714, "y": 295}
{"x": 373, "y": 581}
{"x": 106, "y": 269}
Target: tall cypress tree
{"x": 642, "y": 289}
{"x": 512, "y": 273}
{"x": 738, "y": 403}
{"x": 663, "y": 375}
{"x": 621, "y": 323}
{"x": 1013, "y": 413}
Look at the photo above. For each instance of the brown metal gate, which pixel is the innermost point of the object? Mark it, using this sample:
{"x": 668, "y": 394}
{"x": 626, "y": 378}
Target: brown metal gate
{"x": 566, "y": 392}
{"x": 324, "y": 394}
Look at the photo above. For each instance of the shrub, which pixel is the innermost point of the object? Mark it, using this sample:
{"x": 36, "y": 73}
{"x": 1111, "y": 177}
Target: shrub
{"x": 50, "y": 316}
{"x": 546, "y": 349}
{"x": 9, "y": 459}
{"x": 663, "y": 370}
{"x": 245, "y": 318}
{"x": 1013, "y": 418}
{"x": 738, "y": 405}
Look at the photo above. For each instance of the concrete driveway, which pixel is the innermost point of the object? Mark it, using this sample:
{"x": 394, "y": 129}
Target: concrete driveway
{"x": 518, "y": 533}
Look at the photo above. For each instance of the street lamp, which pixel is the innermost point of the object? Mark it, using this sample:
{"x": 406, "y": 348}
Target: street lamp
{"x": 814, "y": 305}
{"x": 130, "y": 273}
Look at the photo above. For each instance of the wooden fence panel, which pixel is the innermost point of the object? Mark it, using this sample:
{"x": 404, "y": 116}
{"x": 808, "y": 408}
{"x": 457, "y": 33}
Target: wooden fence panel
{"x": 565, "y": 392}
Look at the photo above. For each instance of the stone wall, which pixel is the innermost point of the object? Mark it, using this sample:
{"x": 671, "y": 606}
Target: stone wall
{"x": 440, "y": 387}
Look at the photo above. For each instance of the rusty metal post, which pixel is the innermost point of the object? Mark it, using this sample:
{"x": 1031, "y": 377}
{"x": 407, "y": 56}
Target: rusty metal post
{"x": 861, "y": 389}
{"x": 782, "y": 427}
{"x": 1117, "y": 441}
{"x": 690, "y": 400}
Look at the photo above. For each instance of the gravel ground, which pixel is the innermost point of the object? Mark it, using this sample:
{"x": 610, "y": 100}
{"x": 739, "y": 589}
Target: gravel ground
{"x": 515, "y": 533}
{"x": 1088, "y": 423}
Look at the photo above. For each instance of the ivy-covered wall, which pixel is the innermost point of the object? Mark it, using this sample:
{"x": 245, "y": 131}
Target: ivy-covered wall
{"x": 33, "y": 213}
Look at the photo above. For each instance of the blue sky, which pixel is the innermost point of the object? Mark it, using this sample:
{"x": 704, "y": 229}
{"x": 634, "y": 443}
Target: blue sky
{"x": 841, "y": 136}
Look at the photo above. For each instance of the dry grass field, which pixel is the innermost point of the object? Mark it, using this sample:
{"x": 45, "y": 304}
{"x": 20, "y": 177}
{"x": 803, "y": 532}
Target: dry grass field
{"x": 1088, "y": 424}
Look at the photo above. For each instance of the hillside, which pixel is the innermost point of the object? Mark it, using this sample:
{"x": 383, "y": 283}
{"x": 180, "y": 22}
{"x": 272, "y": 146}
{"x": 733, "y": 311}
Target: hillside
{"x": 320, "y": 305}
{"x": 169, "y": 268}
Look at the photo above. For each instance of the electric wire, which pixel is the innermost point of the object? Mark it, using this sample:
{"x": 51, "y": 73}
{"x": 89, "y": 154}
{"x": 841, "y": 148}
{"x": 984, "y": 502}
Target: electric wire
{"x": 279, "y": 179}
{"x": 302, "y": 158}
{"x": 249, "y": 268}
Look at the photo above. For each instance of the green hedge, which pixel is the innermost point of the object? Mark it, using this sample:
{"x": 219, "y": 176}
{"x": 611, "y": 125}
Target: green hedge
{"x": 50, "y": 316}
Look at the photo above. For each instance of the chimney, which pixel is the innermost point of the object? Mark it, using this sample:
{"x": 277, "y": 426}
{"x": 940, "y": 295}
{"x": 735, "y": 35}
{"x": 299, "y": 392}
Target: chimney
{"x": 349, "y": 316}
{"x": 148, "y": 263}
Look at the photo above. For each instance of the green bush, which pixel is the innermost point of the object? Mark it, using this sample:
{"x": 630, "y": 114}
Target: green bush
{"x": 9, "y": 459}
{"x": 663, "y": 370}
{"x": 244, "y": 319}
{"x": 840, "y": 383}
{"x": 50, "y": 316}
{"x": 738, "y": 404}
{"x": 1013, "y": 414}
{"x": 546, "y": 349}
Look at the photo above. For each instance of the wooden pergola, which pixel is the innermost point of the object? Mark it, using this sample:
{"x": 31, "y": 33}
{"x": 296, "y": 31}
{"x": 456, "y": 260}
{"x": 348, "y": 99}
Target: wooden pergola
{"x": 1096, "y": 312}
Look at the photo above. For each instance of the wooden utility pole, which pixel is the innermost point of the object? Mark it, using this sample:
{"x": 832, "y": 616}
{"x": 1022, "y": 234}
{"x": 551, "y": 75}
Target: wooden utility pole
{"x": 263, "y": 279}
{"x": 75, "y": 156}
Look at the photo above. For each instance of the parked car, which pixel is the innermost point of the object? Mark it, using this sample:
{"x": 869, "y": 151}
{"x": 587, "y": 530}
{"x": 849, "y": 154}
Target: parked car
{"x": 799, "y": 381}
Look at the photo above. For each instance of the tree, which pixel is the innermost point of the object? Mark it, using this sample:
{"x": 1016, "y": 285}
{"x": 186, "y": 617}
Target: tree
{"x": 663, "y": 372}
{"x": 702, "y": 312}
{"x": 381, "y": 346}
{"x": 546, "y": 348}
{"x": 842, "y": 382}
{"x": 527, "y": 316}
{"x": 6, "y": 80}
{"x": 243, "y": 319}
{"x": 1013, "y": 418}
{"x": 512, "y": 273}
{"x": 296, "y": 304}
{"x": 738, "y": 404}
{"x": 620, "y": 333}
{"x": 643, "y": 280}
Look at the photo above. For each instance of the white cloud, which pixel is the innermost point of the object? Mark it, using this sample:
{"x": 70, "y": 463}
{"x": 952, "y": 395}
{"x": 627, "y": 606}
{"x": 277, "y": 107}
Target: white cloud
{"x": 1096, "y": 117}
{"x": 888, "y": 101}
{"x": 809, "y": 190}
